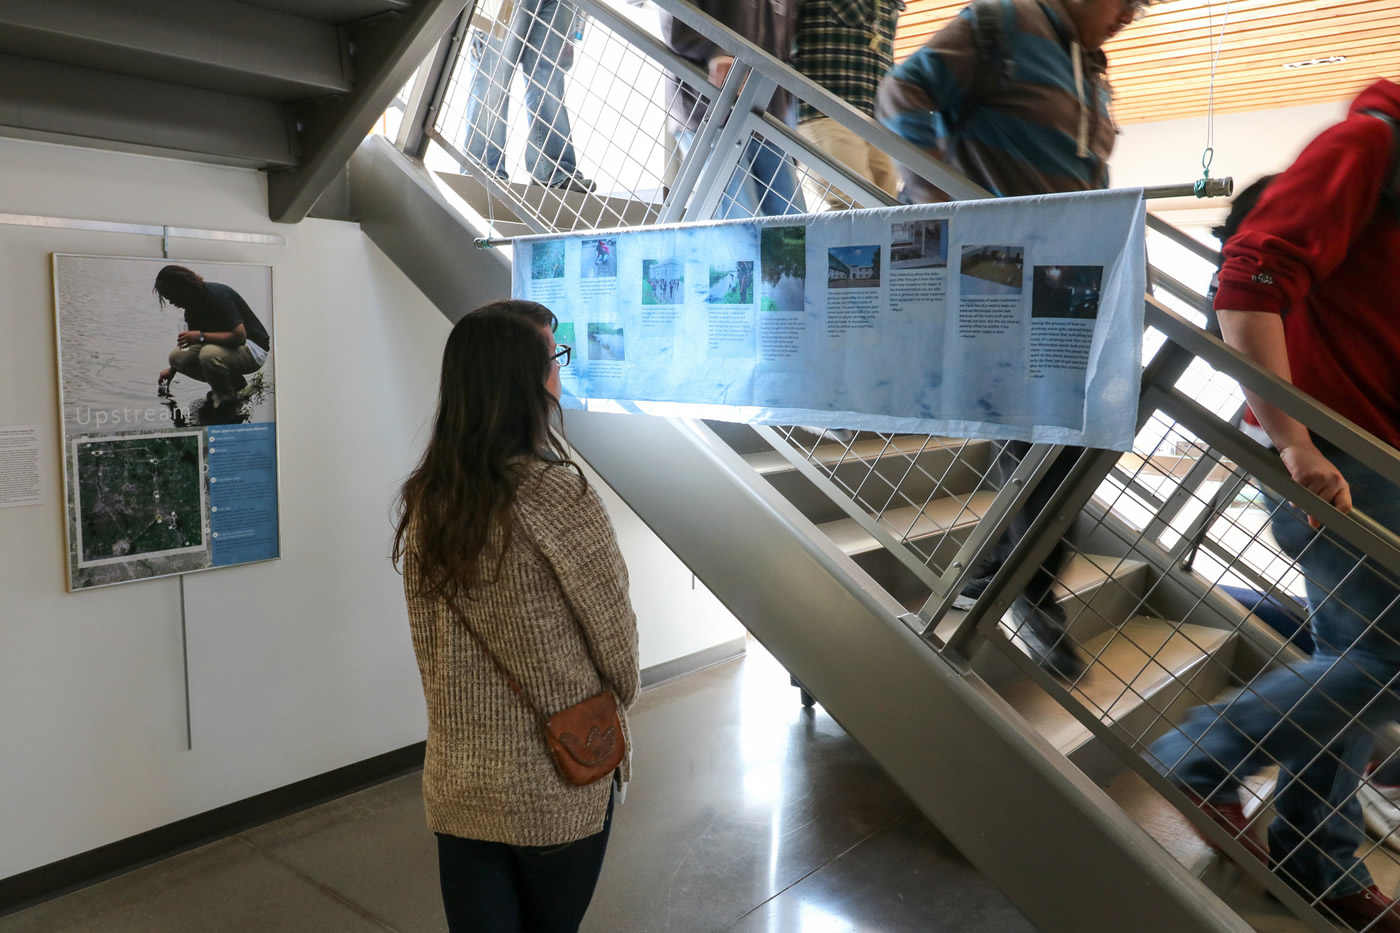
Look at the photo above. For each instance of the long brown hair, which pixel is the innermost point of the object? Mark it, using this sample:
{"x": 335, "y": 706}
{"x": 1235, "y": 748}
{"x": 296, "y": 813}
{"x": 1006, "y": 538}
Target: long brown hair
{"x": 493, "y": 409}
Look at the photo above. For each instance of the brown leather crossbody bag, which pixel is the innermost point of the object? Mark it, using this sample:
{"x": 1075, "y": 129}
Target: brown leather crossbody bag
{"x": 585, "y": 739}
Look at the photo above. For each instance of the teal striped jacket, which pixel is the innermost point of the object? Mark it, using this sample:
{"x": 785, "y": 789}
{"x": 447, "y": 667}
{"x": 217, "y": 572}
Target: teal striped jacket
{"x": 1042, "y": 126}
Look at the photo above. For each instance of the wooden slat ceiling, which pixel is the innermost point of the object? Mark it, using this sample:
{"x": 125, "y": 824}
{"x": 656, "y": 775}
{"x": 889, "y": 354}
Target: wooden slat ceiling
{"x": 1160, "y": 65}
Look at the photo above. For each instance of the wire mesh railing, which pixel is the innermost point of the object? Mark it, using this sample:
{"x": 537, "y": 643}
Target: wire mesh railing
{"x": 603, "y": 121}
{"x": 587, "y": 146}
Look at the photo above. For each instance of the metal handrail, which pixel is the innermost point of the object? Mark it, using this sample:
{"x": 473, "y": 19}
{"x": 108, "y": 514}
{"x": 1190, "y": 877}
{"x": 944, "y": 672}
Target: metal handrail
{"x": 1347, "y": 435}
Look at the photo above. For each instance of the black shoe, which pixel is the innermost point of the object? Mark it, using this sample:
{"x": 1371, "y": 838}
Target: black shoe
{"x": 1043, "y": 628}
{"x": 972, "y": 590}
{"x": 574, "y": 182}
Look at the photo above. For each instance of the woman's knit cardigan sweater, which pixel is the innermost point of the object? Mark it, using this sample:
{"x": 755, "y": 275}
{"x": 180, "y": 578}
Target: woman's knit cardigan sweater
{"x": 557, "y": 615}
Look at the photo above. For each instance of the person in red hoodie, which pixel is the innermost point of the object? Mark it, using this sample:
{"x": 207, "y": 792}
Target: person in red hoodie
{"x": 1308, "y": 290}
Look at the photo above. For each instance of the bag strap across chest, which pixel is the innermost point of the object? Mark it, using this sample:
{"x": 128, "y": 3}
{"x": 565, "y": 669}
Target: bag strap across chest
{"x": 1390, "y": 193}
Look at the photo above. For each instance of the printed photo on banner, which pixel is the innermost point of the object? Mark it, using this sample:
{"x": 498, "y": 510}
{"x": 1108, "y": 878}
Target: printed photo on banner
{"x": 853, "y": 267}
{"x": 598, "y": 258}
{"x": 782, "y": 259}
{"x": 663, "y": 281}
{"x": 547, "y": 260}
{"x": 167, "y": 381}
{"x": 606, "y": 342}
{"x": 732, "y": 284}
{"x": 992, "y": 270}
{"x": 1066, "y": 292}
{"x": 919, "y": 244}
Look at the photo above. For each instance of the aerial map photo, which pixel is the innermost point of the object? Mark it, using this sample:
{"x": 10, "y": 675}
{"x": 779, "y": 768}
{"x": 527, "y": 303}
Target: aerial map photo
{"x": 139, "y": 496}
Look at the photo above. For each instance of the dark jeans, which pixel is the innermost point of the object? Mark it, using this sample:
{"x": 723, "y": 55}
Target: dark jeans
{"x": 1007, "y": 461}
{"x": 491, "y": 887}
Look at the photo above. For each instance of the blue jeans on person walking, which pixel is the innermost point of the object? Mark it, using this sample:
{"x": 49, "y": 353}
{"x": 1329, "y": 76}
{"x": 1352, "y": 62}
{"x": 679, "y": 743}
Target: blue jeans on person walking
{"x": 763, "y": 185}
{"x": 534, "y": 43}
{"x": 1315, "y": 718}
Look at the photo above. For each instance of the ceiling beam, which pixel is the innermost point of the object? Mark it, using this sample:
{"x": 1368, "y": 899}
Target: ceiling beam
{"x": 44, "y": 100}
{"x": 218, "y": 45}
{"x": 386, "y": 50}
{"x": 337, "y": 12}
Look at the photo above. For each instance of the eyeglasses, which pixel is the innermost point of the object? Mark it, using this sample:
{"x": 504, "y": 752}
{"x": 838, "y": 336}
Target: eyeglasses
{"x": 562, "y": 354}
{"x": 1138, "y": 8}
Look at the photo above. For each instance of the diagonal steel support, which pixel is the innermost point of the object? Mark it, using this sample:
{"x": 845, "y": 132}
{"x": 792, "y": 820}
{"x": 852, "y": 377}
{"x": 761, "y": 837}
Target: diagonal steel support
{"x": 386, "y": 49}
{"x": 428, "y": 90}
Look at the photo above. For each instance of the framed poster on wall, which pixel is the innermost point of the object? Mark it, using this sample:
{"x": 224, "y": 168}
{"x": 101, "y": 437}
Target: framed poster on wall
{"x": 168, "y": 395}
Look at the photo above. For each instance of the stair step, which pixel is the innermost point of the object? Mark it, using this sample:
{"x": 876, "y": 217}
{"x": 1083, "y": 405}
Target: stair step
{"x": 877, "y": 472}
{"x": 938, "y": 517}
{"x": 593, "y": 210}
{"x": 1097, "y": 593}
{"x": 1134, "y": 668}
{"x": 864, "y": 449}
{"x": 1080, "y": 586}
{"x": 1163, "y": 822}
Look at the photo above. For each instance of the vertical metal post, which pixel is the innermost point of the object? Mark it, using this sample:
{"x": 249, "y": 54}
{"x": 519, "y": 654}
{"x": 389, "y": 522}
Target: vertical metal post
{"x": 728, "y": 149}
{"x": 716, "y": 114}
{"x": 184, "y": 632}
{"x": 185, "y": 654}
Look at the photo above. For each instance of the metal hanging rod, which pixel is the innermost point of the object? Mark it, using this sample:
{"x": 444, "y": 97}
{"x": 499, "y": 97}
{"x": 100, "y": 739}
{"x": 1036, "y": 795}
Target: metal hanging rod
{"x": 104, "y": 226}
{"x": 1201, "y": 188}
{"x": 1205, "y": 188}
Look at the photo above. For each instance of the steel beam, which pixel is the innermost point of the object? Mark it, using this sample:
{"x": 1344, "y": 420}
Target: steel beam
{"x": 63, "y": 103}
{"x": 400, "y": 207}
{"x": 421, "y": 108}
{"x": 386, "y": 50}
{"x": 335, "y": 12}
{"x": 217, "y": 45}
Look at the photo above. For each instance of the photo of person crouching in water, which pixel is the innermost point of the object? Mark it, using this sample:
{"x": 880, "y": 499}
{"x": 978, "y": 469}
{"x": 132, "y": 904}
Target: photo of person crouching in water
{"x": 222, "y": 343}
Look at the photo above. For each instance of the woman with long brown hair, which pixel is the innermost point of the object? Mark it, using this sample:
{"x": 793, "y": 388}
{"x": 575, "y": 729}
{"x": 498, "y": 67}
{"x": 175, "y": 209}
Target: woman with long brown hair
{"x": 517, "y": 600}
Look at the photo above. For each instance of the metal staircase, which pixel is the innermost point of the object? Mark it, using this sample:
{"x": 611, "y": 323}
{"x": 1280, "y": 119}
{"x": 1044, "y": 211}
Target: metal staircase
{"x": 844, "y": 557}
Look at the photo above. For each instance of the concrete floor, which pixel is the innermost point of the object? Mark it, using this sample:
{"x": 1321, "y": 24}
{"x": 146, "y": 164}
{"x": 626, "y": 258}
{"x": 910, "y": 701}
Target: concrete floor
{"x": 746, "y": 813}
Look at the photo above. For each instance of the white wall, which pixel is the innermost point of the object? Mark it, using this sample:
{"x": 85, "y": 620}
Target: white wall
{"x": 297, "y": 666}
{"x": 1247, "y": 145}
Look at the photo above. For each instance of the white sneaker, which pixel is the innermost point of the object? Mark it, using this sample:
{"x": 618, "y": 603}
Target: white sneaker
{"x": 1380, "y": 808}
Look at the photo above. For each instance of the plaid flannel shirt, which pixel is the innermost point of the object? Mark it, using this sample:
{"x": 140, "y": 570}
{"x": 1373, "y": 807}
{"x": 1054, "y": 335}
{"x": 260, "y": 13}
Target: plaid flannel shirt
{"x": 834, "y": 39}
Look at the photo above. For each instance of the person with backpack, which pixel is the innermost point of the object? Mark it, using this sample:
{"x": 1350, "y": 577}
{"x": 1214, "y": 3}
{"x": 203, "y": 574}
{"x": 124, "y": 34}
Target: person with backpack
{"x": 1308, "y": 290}
{"x": 1014, "y": 95}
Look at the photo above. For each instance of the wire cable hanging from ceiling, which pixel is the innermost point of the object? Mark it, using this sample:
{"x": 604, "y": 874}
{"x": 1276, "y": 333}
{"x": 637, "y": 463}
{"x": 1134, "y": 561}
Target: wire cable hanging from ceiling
{"x": 1208, "y": 155}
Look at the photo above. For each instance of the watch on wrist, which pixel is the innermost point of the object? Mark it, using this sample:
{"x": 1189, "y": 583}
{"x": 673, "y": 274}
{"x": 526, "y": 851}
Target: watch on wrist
{"x": 201, "y": 336}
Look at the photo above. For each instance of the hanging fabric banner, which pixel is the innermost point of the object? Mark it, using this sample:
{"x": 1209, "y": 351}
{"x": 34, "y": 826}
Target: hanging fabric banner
{"x": 1008, "y": 318}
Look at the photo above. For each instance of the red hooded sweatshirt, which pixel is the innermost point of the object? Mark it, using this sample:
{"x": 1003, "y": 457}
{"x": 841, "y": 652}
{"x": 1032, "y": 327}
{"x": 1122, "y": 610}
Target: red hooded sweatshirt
{"x": 1318, "y": 250}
